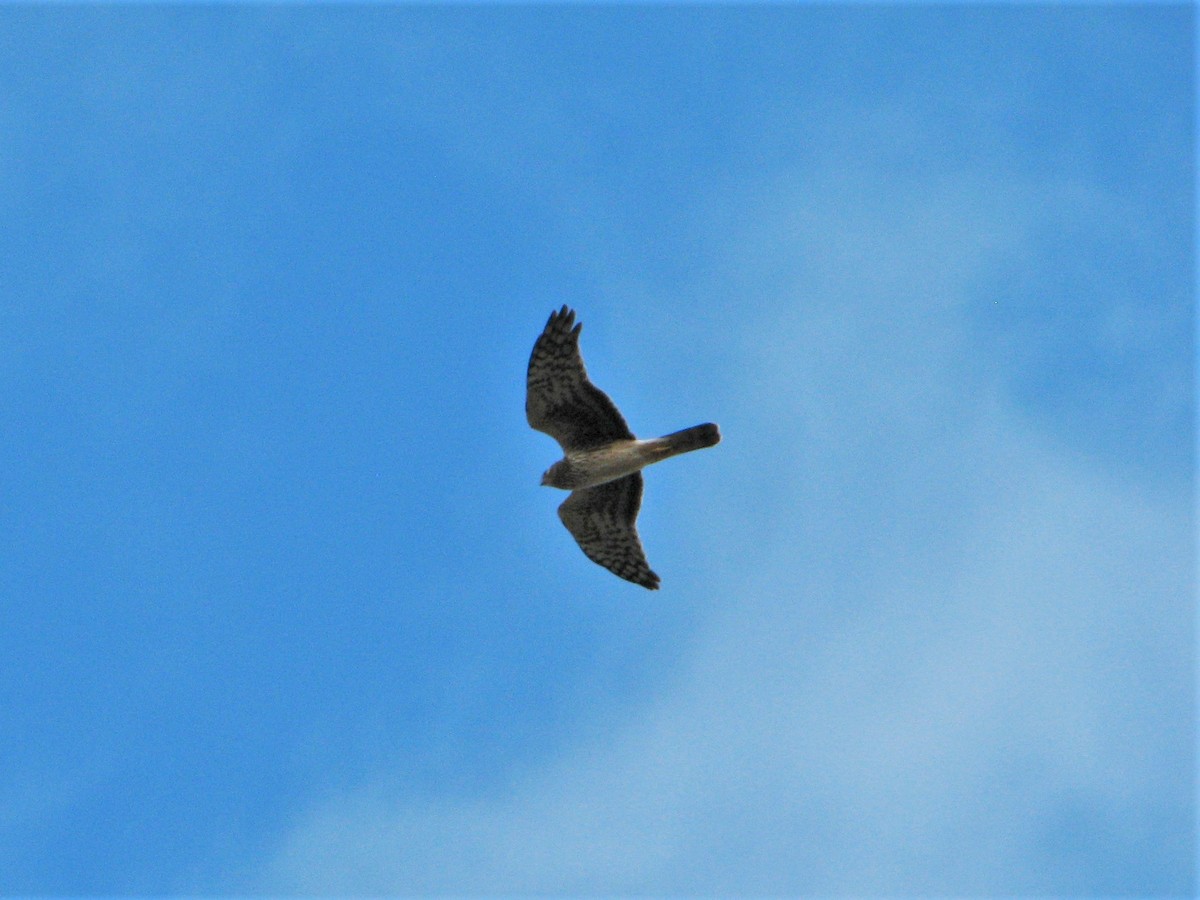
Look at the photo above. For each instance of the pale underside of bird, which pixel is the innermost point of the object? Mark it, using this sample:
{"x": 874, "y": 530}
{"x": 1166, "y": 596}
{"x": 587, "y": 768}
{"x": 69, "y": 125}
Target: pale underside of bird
{"x": 602, "y": 460}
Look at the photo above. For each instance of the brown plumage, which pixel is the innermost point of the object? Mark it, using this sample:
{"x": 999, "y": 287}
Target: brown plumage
{"x": 602, "y": 460}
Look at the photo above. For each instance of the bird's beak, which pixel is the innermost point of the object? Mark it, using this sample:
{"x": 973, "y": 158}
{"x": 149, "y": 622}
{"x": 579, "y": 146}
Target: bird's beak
{"x": 544, "y": 479}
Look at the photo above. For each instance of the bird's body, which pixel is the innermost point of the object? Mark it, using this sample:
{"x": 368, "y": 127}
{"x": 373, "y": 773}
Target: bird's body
{"x": 602, "y": 460}
{"x": 588, "y": 468}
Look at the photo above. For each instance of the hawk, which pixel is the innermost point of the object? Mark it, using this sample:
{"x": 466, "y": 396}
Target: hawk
{"x": 602, "y": 460}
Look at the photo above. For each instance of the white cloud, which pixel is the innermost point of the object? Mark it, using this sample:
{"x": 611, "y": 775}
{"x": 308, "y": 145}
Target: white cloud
{"x": 939, "y": 659}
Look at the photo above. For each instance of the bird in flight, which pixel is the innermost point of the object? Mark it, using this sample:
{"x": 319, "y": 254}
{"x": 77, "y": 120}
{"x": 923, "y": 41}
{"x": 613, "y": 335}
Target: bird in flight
{"x": 602, "y": 460}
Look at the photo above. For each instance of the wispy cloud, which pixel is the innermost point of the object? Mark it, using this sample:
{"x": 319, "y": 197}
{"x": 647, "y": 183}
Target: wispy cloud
{"x": 943, "y": 650}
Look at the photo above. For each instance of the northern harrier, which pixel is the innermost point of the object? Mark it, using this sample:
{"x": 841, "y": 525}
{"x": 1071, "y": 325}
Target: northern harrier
{"x": 602, "y": 460}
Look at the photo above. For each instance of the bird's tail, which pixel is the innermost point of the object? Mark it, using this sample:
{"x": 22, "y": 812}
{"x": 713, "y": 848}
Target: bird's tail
{"x": 695, "y": 438}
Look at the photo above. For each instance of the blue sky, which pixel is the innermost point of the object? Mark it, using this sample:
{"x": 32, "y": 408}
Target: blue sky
{"x": 284, "y": 609}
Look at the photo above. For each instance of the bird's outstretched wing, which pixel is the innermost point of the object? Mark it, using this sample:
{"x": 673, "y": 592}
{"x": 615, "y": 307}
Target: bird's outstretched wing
{"x": 559, "y": 399}
{"x": 602, "y": 521}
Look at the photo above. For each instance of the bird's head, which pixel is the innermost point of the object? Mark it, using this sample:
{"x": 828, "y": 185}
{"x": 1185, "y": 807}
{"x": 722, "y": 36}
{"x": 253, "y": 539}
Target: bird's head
{"x": 558, "y": 475}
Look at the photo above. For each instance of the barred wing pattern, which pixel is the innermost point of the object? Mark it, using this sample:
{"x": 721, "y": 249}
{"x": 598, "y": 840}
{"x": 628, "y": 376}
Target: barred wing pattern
{"x": 601, "y": 519}
{"x": 560, "y": 400}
